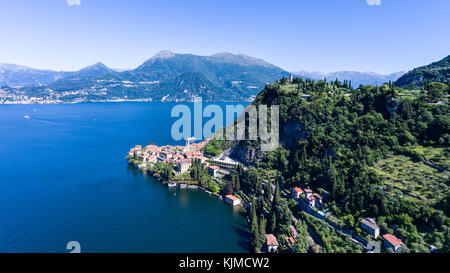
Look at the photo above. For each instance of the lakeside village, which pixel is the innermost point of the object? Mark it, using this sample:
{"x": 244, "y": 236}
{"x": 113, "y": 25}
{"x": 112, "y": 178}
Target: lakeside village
{"x": 187, "y": 167}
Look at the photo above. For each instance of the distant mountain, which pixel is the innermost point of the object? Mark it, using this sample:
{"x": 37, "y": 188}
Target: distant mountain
{"x": 167, "y": 76}
{"x": 419, "y": 77}
{"x": 17, "y": 76}
{"x": 95, "y": 70}
{"x": 356, "y": 78}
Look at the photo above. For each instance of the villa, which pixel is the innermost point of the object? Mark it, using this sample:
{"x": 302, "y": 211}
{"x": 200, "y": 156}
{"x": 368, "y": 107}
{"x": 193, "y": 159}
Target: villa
{"x": 213, "y": 171}
{"x": 183, "y": 165}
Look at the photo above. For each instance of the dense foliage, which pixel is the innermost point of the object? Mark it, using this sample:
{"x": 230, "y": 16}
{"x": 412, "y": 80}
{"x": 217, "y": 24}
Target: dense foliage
{"x": 332, "y": 141}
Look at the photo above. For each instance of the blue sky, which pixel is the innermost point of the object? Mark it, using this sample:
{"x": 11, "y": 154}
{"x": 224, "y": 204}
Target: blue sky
{"x": 321, "y": 35}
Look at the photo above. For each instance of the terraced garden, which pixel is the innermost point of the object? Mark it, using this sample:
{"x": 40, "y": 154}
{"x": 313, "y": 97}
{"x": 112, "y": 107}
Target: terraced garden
{"x": 413, "y": 179}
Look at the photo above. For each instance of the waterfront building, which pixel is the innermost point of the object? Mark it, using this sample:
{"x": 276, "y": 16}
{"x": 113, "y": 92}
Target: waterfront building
{"x": 232, "y": 200}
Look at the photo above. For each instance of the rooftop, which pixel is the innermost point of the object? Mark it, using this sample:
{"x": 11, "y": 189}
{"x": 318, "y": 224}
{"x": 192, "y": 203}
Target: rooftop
{"x": 393, "y": 240}
{"x": 231, "y": 197}
{"x": 271, "y": 240}
{"x": 370, "y": 222}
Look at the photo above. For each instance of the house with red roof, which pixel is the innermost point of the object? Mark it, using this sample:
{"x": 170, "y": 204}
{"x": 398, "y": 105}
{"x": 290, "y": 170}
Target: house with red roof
{"x": 271, "y": 243}
{"x": 390, "y": 241}
{"x": 214, "y": 171}
{"x": 232, "y": 200}
{"x": 296, "y": 192}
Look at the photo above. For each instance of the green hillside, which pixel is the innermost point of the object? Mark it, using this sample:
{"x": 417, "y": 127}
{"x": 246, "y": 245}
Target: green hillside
{"x": 353, "y": 143}
{"x": 419, "y": 77}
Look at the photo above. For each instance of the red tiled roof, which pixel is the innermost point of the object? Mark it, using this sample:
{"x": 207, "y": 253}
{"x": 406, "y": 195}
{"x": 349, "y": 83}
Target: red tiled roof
{"x": 231, "y": 197}
{"x": 298, "y": 190}
{"x": 393, "y": 240}
{"x": 271, "y": 240}
{"x": 292, "y": 240}
{"x": 214, "y": 167}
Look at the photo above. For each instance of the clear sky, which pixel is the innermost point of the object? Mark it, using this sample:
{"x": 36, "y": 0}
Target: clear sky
{"x": 321, "y": 35}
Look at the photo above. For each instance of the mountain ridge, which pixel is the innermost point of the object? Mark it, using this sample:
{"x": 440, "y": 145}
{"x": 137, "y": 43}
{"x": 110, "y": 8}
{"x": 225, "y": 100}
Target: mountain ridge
{"x": 417, "y": 78}
{"x": 165, "y": 76}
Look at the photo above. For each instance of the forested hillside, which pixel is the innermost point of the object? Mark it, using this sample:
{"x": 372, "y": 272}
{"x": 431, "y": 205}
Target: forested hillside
{"x": 357, "y": 144}
{"x": 419, "y": 77}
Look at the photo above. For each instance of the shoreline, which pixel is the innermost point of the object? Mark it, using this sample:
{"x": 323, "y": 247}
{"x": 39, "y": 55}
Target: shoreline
{"x": 110, "y": 101}
{"x": 188, "y": 187}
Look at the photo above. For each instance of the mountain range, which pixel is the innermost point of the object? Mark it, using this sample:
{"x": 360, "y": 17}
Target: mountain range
{"x": 356, "y": 78}
{"x": 168, "y": 76}
{"x": 164, "y": 77}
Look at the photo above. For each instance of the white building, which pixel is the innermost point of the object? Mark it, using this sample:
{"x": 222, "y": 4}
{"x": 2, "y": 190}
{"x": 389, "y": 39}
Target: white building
{"x": 213, "y": 171}
{"x": 232, "y": 200}
{"x": 370, "y": 225}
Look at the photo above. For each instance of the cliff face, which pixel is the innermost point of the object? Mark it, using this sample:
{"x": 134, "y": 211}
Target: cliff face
{"x": 249, "y": 152}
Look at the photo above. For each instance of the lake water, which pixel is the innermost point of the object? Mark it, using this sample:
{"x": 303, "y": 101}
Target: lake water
{"x": 63, "y": 177}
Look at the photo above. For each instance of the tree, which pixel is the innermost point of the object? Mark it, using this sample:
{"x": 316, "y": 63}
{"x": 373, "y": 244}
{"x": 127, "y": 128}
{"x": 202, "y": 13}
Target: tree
{"x": 407, "y": 109}
{"x": 261, "y": 232}
{"x": 237, "y": 183}
{"x": 254, "y": 230}
{"x": 269, "y": 191}
{"x": 212, "y": 185}
{"x": 436, "y": 90}
{"x": 301, "y": 243}
{"x": 229, "y": 188}
{"x": 273, "y": 222}
{"x": 277, "y": 196}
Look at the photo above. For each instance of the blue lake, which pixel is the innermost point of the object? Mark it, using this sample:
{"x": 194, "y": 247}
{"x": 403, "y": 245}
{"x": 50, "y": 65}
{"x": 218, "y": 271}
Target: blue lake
{"x": 64, "y": 177}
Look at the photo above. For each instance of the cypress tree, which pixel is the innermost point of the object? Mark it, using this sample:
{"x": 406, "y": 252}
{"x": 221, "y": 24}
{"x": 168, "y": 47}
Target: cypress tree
{"x": 237, "y": 185}
{"x": 273, "y": 222}
{"x": 261, "y": 232}
{"x": 254, "y": 224}
{"x": 229, "y": 188}
{"x": 269, "y": 191}
{"x": 277, "y": 196}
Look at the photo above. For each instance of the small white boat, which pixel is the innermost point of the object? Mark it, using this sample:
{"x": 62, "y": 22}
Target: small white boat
{"x": 171, "y": 185}
{"x": 26, "y": 117}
